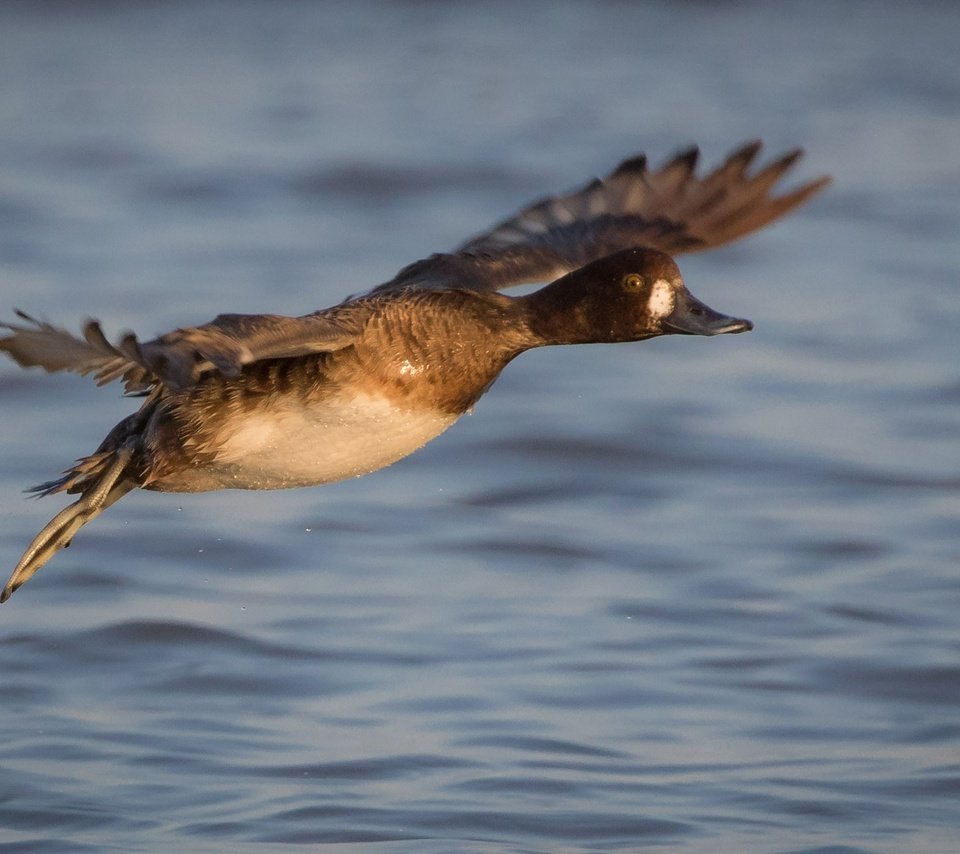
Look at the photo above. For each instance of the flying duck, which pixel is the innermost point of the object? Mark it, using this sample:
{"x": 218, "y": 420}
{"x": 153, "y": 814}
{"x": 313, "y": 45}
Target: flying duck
{"x": 273, "y": 402}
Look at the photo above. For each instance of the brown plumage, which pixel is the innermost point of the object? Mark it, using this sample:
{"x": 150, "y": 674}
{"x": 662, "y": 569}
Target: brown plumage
{"x": 266, "y": 402}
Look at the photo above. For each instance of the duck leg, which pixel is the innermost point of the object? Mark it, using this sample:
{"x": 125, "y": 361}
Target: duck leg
{"x": 108, "y": 488}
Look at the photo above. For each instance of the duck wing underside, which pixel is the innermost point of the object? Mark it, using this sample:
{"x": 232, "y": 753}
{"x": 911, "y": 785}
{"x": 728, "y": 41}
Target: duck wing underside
{"x": 670, "y": 209}
{"x": 176, "y": 360}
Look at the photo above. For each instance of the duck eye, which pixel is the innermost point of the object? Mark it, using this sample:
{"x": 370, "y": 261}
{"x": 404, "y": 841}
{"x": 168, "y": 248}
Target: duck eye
{"x": 632, "y": 282}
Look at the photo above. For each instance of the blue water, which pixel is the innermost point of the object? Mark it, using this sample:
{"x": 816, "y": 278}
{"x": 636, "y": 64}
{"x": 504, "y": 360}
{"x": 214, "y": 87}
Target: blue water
{"x": 685, "y": 595}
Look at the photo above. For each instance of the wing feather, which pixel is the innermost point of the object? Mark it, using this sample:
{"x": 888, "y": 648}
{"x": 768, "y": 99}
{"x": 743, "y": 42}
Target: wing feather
{"x": 670, "y": 209}
{"x": 178, "y": 358}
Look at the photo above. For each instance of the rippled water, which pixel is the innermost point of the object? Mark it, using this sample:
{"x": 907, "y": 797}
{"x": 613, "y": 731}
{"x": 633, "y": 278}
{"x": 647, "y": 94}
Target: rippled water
{"x": 686, "y": 595}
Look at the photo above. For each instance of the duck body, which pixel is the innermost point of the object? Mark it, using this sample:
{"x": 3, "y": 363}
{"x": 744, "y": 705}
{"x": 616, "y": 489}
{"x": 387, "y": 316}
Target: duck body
{"x": 272, "y": 402}
{"x": 286, "y": 440}
{"x": 421, "y": 361}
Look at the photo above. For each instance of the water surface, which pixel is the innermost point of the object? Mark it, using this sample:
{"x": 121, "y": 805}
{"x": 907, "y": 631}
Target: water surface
{"x": 683, "y": 595}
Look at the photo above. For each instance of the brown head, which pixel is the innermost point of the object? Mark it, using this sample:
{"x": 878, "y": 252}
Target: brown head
{"x": 628, "y": 296}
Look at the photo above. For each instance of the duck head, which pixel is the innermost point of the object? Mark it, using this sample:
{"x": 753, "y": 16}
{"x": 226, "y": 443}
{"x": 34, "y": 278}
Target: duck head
{"x": 628, "y": 296}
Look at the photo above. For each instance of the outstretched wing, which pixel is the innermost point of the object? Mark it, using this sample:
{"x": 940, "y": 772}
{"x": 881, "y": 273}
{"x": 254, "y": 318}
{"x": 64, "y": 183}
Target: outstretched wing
{"x": 177, "y": 359}
{"x": 231, "y": 341}
{"x": 37, "y": 343}
{"x": 670, "y": 209}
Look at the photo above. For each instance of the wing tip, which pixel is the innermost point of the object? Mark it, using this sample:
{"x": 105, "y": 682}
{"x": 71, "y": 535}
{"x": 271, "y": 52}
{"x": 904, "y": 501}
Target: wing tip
{"x": 686, "y": 159}
{"x": 632, "y": 165}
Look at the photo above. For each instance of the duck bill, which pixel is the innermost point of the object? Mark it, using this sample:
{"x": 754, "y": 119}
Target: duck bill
{"x": 692, "y": 317}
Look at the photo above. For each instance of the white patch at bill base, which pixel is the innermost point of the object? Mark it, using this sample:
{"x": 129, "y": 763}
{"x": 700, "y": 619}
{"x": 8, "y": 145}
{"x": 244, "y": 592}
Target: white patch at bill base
{"x": 662, "y": 299}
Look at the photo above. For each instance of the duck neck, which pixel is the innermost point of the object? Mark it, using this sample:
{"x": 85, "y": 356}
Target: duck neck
{"x": 560, "y": 313}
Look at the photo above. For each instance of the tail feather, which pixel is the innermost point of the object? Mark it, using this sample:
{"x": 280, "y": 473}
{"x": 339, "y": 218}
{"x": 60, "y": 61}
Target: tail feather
{"x": 102, "y": 485}
{"x": 76, "y": 478}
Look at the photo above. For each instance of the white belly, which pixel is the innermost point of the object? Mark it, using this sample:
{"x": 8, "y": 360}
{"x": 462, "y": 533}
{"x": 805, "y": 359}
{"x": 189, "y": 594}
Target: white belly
{"x": 296, "y": 445}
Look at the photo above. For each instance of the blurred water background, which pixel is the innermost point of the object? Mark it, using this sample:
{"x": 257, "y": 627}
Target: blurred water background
{"x": 683, "y": 595}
